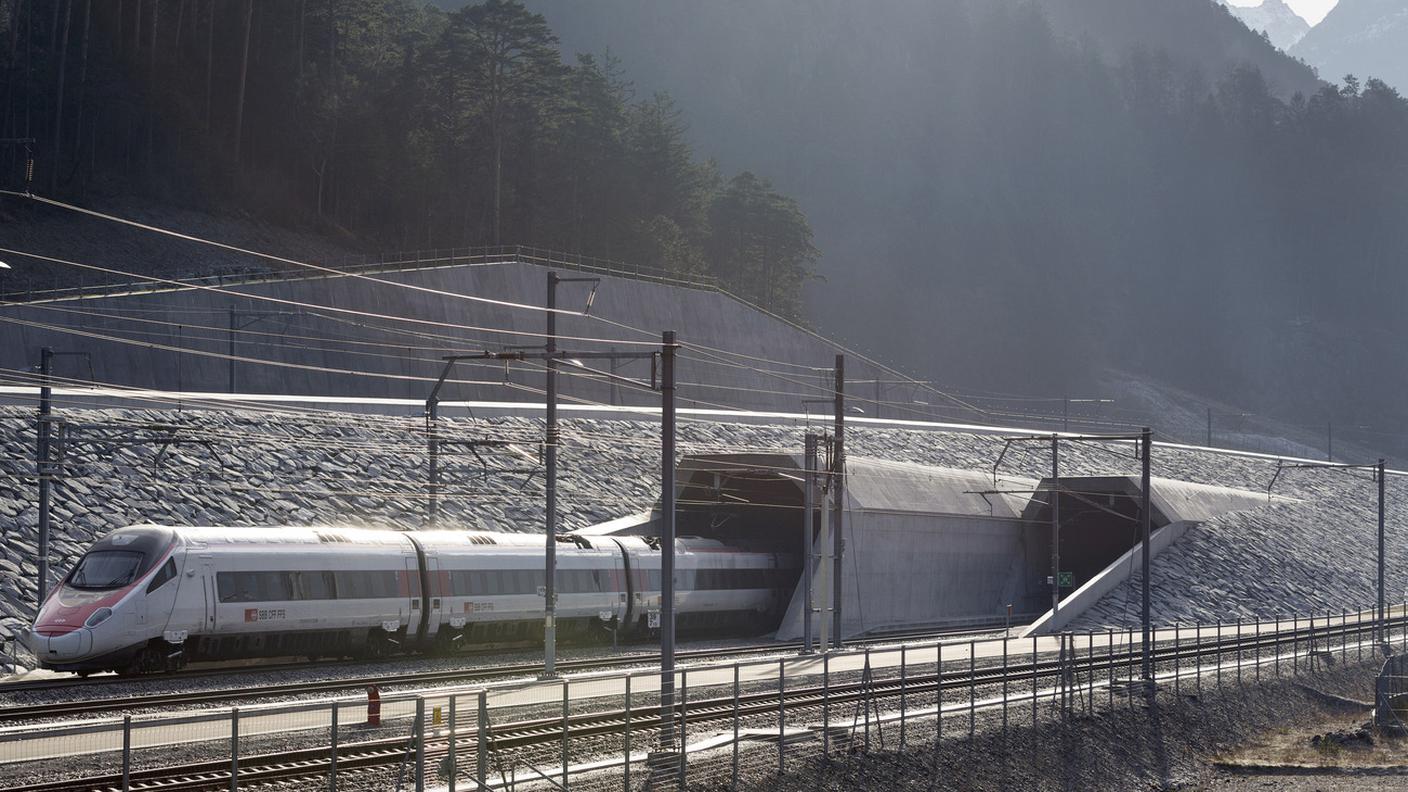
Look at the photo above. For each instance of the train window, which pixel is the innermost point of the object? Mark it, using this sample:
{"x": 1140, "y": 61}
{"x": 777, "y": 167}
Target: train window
{"x": 276, "y": 586}
{"x": 363, "y": 585}
{"x": 388, "y": 585}
{"x": 166, "y": 573}
{"x": 349, "y": 585}
{"x": 238, "y": 586}
{"x": 316, "y": 585}
{"x": 106, "y": 569}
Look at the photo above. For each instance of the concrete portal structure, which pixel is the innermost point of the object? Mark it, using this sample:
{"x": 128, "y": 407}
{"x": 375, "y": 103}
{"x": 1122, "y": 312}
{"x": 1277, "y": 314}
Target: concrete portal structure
{"x": 923, "y": 546}
{"x": 930, "y": 546}
{"x": 1100, "y": 531}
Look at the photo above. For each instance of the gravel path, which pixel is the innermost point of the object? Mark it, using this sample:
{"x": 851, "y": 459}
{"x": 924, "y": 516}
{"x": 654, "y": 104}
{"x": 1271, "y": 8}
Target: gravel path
{"x": 1121, "y": 749}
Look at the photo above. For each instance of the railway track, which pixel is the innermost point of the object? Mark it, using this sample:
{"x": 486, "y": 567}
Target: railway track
{"x": 76, "y": 708}
{"x": 309, "y": 765}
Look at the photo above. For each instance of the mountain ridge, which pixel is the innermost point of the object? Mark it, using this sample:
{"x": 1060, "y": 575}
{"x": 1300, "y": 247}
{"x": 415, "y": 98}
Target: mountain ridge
{"x": 1282, "y": 25}
{"x": 1366, "y": 38}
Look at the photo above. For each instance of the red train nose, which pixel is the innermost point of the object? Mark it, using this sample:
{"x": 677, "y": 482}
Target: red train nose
{"x": 61, "y": 647}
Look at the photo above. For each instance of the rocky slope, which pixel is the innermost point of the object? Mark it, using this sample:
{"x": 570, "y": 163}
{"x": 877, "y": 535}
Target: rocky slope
{"x": 282, "y": 468}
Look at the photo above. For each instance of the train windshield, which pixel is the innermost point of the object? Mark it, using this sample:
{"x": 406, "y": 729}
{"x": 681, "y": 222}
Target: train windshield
{"x": 106, "y": 569}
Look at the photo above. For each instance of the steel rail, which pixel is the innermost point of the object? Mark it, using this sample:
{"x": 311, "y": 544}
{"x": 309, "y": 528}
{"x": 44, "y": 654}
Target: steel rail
{"x": 20, "y": 712}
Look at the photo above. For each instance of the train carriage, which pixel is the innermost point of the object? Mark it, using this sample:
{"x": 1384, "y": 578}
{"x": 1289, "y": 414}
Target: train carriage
{"x": 148, "y": 598}
{"x": 492, "y": 586}
{"x": 273, "y": 592}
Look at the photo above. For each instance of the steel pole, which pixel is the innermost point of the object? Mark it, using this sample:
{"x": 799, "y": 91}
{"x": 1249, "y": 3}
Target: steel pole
{"x": 808, "y": 507}
{"x": 1145, "y": 521}
{"x": 234, "y": 749}
{"x": 667, "y": 539}
{"x": 232, "y": 350}
{"x": 127, "y": 753}
{"x": 1381, "y": 551}
{"x": 45, "y": 470}
{"x": 1055, "y": 524}
{"x": 433, "y": 495}
{"x": 332, "y": 753}
{"x": 550, "y": 484}
{"x": 838, "y": 470}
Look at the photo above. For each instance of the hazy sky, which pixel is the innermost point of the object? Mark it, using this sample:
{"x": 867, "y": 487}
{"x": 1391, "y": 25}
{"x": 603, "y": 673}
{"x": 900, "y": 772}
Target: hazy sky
{"x": 1311, "y": 11}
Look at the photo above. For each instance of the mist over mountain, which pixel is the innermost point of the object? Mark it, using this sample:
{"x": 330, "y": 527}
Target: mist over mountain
{"x": 1200, "y": 34}
{"x": 1000, "y": 195}
{"x": 1015, "y": 197}
{"x": 1281, "y": 24}
{"x": 1366, "y": 38}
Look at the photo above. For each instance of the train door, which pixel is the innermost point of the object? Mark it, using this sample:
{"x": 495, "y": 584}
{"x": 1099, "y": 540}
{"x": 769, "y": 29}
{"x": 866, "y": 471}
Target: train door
{"x": 411, "y": 592}
{"x": 139, "y": 611}
{"x": 162, "y": 592}
{"x": 627, "y": 584}
{"x": 434, "y": 592}
{"x": 616, "y": 586}
{"x": 209, "y": 593}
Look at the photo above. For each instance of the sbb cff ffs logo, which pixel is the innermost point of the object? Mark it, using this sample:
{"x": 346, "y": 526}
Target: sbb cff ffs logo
{"x": 263, "y": 614}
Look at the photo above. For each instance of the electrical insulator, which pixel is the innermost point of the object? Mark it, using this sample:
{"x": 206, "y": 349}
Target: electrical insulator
{"x": 29, "y": 171}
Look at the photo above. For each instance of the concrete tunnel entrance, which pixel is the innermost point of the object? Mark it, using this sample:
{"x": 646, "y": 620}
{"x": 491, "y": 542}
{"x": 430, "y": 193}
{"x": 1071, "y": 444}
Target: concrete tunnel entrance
{"x": 1100, "y": 522}
{"x": 752, "y": 507}
{"x": 929, "y": 547}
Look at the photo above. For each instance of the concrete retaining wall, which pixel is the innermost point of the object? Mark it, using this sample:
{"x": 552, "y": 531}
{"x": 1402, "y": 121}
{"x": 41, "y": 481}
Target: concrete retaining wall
{"x": 179, "y": 340}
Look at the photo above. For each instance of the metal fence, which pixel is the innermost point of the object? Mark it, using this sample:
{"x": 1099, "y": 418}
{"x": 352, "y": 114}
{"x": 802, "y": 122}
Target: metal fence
{"x": 734, "y": 725}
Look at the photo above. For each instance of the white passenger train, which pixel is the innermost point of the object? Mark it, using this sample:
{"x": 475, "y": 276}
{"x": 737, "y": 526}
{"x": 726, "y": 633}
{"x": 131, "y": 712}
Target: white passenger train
{"x": 148, "y": 599}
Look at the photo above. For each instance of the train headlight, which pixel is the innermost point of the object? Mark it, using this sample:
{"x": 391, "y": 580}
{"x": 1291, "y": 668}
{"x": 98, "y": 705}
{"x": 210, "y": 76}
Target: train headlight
{"x": 99, "y": 616}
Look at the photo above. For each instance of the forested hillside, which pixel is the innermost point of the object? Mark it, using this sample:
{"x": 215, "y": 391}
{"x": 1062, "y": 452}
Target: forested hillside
{"x": 1010, "y": 195}
{"x": 386, "y": 121}
{"x": 1014, "y": 202}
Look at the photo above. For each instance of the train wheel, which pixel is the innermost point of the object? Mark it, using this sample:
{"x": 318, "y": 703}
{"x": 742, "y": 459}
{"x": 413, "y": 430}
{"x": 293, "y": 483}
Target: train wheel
{"x": 379, "y": 645}
{"x": 148, "y": 661}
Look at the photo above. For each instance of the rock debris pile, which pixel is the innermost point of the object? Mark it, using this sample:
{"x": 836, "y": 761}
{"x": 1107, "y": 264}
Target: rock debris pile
{"x": 237, "y": 468}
